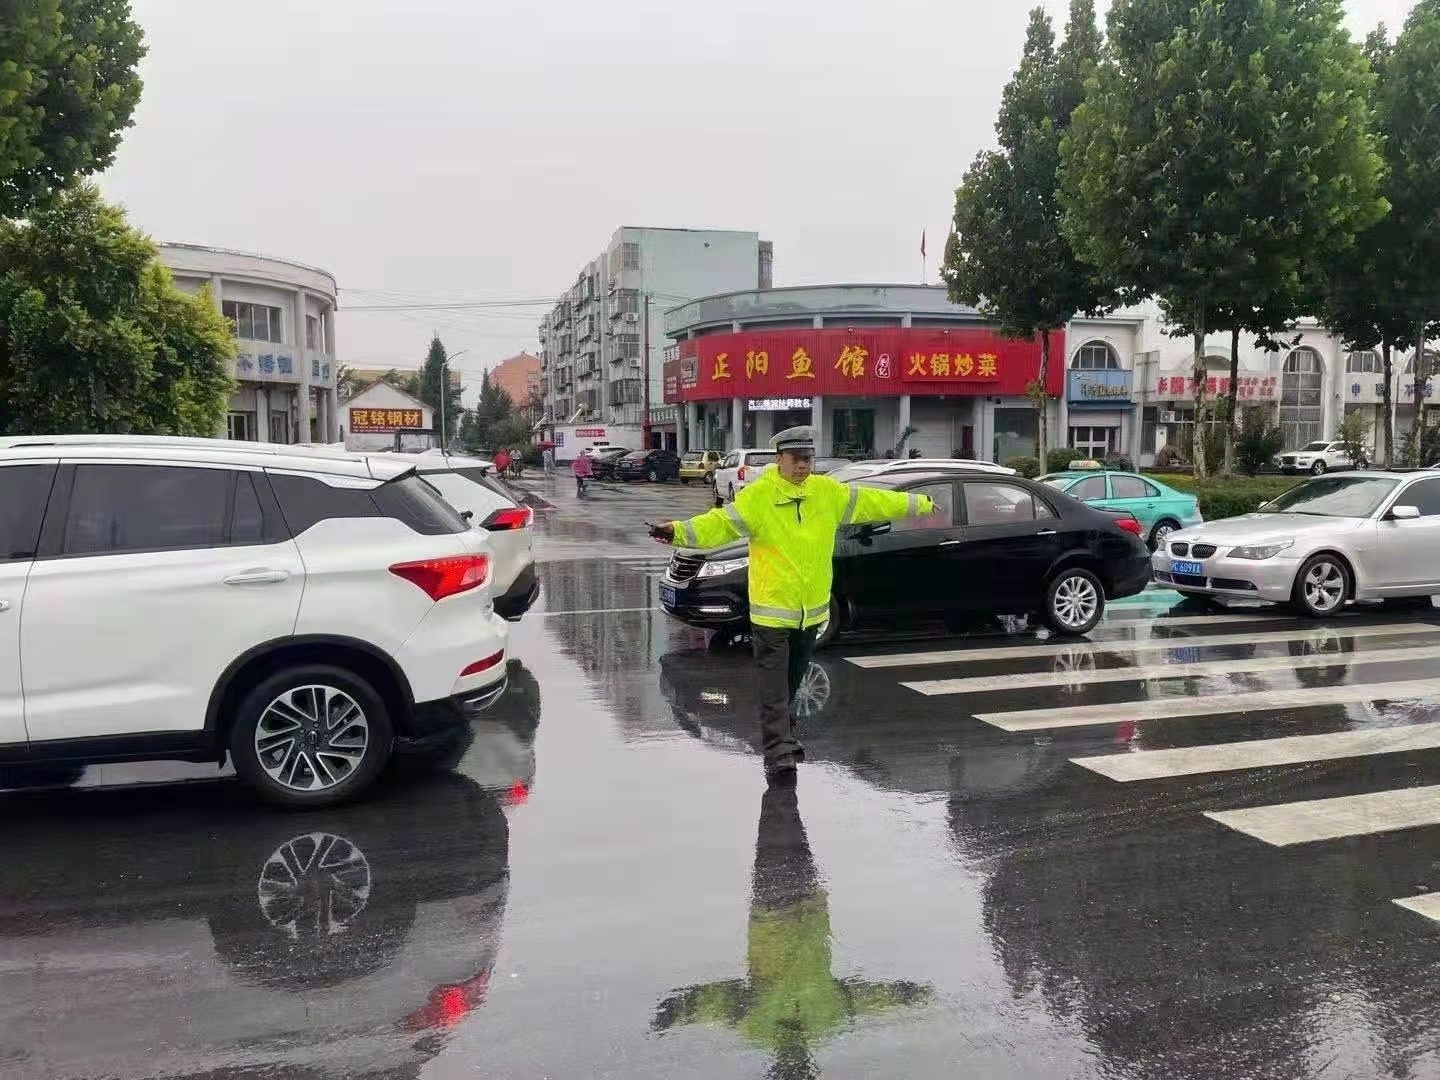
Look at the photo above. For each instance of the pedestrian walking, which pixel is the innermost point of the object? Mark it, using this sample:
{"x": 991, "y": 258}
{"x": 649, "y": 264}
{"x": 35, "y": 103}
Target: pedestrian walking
{"x": 502, "y": 461}
{"x": 583, "y": 470}
{"x": 790, "y": 517}
{"x": 547, "y": 461}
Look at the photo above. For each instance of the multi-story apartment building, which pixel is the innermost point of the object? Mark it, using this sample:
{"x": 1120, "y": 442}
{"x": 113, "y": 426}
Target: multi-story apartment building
{"x": 594, "y": 342}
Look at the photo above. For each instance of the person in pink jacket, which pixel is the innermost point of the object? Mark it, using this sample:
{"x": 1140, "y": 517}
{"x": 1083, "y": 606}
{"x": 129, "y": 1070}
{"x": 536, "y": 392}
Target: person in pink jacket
{"x": 583, "y": 470}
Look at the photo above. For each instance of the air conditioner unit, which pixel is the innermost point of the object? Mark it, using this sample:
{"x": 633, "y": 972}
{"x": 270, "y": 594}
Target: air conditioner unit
{"x": 635, "y": 361}
{"x": 1168, "y": 418}
{"x": 632, "y": 316}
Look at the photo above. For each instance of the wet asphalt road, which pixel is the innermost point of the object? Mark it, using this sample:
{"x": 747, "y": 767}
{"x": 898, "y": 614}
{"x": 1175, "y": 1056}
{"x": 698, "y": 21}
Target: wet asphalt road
{"x": 604, "y": 887}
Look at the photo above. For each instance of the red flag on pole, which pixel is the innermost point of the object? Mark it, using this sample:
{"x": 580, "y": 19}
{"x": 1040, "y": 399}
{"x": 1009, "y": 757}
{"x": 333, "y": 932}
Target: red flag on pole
{"x": 922, "y": 243}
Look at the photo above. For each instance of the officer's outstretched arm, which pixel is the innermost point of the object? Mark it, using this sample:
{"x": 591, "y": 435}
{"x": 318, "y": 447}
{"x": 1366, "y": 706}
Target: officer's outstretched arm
{"x": 864, "y": 505}
{"x": 713, "y": 529}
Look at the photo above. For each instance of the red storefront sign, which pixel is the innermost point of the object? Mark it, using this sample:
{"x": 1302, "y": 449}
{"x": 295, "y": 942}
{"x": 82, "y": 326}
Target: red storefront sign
{"x": 384, "y": 421}
{"x": 880, "y": 362}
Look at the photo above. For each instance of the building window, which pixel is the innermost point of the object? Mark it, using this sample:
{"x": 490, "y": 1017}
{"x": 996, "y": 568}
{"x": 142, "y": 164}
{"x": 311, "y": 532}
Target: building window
{"x": 254, "y": 322}
{"x": 630, "y": 256}
{"x": 625, "y": 392}
{"x": 1096, "y": 356}
{"x": 1432, "y": 363}
{"x": 1301, "y": 408}
{"x": 1093, "y": 442}
{"x": 279, "y": 428}
{"x": 1364, "y": 362}
{"x": 627, "y": 302}
{"x": 241, "y": 426}
{"x": 314, "y": 333}
{"x": 1149, "y": 417}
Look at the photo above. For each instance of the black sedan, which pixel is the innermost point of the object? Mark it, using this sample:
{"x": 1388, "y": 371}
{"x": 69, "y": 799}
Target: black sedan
{"x": 652, "y": 465}
{"x": 996, "y": 545}
{"x": 604, "y": 460}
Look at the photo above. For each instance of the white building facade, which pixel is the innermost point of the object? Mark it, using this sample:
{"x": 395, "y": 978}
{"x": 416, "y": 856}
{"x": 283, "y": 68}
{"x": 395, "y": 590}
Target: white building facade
{"x": 283, "y": 314}
{"x": 601, "y": 345}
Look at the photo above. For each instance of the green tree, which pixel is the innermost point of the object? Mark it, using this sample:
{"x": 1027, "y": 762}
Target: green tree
{"x": 1362, "y": 300}
{"x": 492, "y": 412}
{"x": 1354, "y": 434}
{"x": 1406, "y": 114}
{"x": 1007, "y": 254}
{"x": 94, "y": 336}
{"x": 426, "y": 385}
{"x": 348, "y": 382}
{"x": 68, "y": 86}
{"x": 1223, "y": 149}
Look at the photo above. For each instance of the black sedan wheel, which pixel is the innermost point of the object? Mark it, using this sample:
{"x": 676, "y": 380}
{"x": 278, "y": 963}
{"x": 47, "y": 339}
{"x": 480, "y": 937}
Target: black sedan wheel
{"x": 652, "y": 475}
{"x": 1074, "y": 601}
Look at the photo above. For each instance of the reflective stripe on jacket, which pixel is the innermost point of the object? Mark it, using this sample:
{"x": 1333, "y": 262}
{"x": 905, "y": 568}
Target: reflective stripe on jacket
{"x": 791, "y": 530}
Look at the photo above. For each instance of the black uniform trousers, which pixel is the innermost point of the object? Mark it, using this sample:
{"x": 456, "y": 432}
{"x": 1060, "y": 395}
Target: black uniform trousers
{"x": 781, "y": 658}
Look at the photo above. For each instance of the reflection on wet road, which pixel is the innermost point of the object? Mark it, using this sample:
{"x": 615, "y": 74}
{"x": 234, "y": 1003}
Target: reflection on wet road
{"x": 1196, "y": 878}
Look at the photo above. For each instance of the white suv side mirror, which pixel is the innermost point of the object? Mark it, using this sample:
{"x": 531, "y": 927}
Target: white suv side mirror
{"x": 1404, "y": 513}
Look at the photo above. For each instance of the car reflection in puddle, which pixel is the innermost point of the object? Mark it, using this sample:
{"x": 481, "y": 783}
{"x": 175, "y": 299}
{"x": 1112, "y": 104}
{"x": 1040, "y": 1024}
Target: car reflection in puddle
{"x": 172, "y": 929}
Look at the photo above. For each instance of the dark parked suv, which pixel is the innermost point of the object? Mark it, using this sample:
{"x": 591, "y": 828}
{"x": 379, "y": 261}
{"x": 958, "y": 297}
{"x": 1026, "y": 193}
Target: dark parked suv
{"x": 649, "y": 465}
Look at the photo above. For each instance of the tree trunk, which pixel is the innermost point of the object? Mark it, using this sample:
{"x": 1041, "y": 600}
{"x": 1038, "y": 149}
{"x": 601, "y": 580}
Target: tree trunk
{"x": 1042, "y": 404}
{"x": 1231, "y": 421}
{"x": 1387, "y": 420}
{"x": 1417, "y": 426}
{"x": 1197, "y": 449}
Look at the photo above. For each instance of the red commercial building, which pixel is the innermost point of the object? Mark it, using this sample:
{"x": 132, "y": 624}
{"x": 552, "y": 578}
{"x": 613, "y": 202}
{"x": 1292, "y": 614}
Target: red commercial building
{"x": 870, "y": 366}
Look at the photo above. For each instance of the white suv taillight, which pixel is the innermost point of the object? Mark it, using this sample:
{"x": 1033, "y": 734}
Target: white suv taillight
{"x": 440, "y": 578}
{"x": 740, "y": 474}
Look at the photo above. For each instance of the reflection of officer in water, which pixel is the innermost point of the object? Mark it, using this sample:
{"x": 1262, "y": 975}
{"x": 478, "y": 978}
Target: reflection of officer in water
{"x": 790, "y": 1002}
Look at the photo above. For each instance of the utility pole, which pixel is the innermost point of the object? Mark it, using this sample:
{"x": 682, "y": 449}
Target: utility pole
{"x": 445, "y": 359}
{"x": 645, "y": 372}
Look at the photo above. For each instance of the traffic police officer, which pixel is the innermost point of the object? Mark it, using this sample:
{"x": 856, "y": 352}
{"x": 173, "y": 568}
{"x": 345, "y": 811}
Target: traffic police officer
{"x": 790, "y": 518}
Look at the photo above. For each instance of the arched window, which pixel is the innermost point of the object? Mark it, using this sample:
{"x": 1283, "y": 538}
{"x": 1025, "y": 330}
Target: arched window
{"x": 1364, "y": 362}
{"x": 1432, "y": 364}
{"x": 1301, "y": 405}
{"x": 1095, "y": 356}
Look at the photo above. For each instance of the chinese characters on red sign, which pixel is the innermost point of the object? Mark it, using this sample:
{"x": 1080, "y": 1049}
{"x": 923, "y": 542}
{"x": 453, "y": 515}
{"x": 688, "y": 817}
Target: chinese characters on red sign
{"x": 882, "y": 362}
{"x": 1249, "y": 387}
{"x": 384, "y": 421}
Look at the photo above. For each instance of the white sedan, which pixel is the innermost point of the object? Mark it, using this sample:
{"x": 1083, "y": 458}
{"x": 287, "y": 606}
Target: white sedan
{"x": 1322, "y": 544}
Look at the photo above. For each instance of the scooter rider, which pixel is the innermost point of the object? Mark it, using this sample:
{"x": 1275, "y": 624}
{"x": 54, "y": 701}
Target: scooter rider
{"x": 790, "y": 518}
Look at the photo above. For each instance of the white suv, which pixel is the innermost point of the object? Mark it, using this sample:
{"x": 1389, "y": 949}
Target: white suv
{"x": 470, "y": 485}
{"x": 739, "y": 468}
{"x": 175, "y": 599}
{"x": 1319, "y": 457}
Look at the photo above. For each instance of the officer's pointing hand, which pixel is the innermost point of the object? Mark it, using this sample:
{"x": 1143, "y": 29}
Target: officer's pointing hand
{"x": 665, "y": 534}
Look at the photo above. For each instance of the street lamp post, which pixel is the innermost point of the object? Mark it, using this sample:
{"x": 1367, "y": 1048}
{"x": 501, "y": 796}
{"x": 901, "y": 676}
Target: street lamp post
{"x": 445, "y": 388}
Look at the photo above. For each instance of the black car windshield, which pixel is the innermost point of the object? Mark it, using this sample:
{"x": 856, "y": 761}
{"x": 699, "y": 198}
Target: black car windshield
{"x": 1334, "y": 496}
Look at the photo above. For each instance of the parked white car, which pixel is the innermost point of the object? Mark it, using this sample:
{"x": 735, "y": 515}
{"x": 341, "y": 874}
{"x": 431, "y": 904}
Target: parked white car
{"x": 302, "y": 610}
{"x": 858, "y": 470}
{"x": 1325, "y": 542}
{"x": 739, "y": 468}
{"x": 1319, "y": 457}
{"x": 470, "y": 485}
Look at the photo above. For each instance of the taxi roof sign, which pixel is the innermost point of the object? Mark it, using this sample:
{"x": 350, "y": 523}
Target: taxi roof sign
{"x": 1086, "y": 463}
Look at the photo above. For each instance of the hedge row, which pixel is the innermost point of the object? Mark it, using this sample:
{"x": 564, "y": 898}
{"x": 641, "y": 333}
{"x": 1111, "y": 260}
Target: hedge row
{"x": 1222, "y": 497}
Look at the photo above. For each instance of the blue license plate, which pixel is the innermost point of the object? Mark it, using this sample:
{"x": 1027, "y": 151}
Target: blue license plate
{"x": 667, "y": 595}
{"x": 1193, "y": 568}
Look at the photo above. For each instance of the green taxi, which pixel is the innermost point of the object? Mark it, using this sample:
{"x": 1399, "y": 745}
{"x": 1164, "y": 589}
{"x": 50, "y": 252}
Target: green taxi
{"x": 1159, "y": 509}
{"x": 699, "y": 465}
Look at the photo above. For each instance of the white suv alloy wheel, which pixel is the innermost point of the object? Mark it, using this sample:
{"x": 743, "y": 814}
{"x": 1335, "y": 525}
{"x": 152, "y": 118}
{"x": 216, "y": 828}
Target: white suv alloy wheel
{"x": 311, "y": 738}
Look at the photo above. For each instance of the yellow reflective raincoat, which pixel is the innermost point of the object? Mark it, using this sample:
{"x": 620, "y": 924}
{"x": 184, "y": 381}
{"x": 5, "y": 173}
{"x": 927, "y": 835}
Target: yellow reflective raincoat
{"x": 791, "y": 529}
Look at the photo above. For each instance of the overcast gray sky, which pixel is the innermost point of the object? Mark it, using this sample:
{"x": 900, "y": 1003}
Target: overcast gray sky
{"x": 446, "y": 149}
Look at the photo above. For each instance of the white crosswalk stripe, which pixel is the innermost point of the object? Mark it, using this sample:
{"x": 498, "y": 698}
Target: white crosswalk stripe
{"x": 1166, "y": 708}
{"x": 1180, "y": 670}
{"x": 1262, "y": 753}
{"x": 1284, "y": 824}
{"x": 1024, "y": 652}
